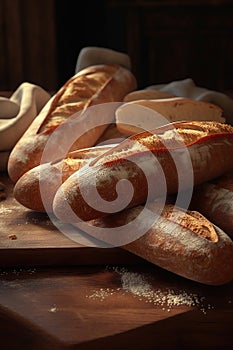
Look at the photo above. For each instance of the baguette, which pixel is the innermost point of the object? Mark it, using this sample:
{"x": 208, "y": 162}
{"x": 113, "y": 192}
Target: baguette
{"x": 37, "y": 187}
{"x": 146, "y": 95}
{"x": 214, "y": 199}
{"x": 184, "y": 243}
{"x": 147, "y": 160}
{"x": 148, "y": 114}
{"x": 94, "y": 85}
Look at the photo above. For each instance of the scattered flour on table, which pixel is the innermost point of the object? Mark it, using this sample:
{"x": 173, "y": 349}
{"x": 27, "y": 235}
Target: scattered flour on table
{"x": 53, "y": 309}
{"x": 102, "y": 293}
{"x": 17, "y": 271}
{"x": 4, "y": 210}
{"x": 139, "y": 286}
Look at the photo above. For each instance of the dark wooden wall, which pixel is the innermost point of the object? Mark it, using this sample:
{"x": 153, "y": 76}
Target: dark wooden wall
{"x": 27, "y": 43}
{"x": 167, "y": 40}
{"x": 172, "y": 40}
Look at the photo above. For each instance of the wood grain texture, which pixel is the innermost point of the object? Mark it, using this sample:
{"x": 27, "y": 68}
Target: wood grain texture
{"x": 82, "y": 307}
{"x": 56, "y": 308}
{"x": 175, "y": 40}
{"x": 39, "y": 243}
{"x": 28, "y": 41}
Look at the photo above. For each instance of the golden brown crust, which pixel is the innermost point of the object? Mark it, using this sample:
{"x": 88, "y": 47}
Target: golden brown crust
{"x": 180, "y": 250}
{"x": 78, "y": 93}
{"x": 94, "y": 85}
{"x": 48, "y": 177}
{"x": 209, "y": 145}
{"x": 191, "y": 220}
{"x": 185, "y": 243}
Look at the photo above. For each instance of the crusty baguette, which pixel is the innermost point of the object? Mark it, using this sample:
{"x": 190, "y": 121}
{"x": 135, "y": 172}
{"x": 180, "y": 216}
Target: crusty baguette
{"x": 214, "y": 199}
{"x": 146, "y": 95}
{"x": 36, "y": 188}
{"x": 138, "y": 160}
{"x": 185, "y": 243}
{"x": 94, "y": 85}
{"x": 147, "y": 114}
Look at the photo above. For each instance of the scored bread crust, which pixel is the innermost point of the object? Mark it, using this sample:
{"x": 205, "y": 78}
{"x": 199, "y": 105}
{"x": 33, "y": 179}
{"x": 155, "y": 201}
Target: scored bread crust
{"x": 209, "y": 145}
{"x": 94, "y": 85}
{"x": 48, "y": 177}
{"x": 181, "y": 249}
{"x": 182, "y": 242}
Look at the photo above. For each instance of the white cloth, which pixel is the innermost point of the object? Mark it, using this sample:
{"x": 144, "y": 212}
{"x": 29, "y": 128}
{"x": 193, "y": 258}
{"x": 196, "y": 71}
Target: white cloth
{"x": 16, "y": 114}
{"x": 187, "y": 88}
{"x": 91, "y": 55}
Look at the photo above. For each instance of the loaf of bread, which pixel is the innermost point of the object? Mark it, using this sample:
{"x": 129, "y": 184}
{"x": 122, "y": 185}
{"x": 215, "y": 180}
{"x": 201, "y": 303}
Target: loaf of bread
{"x": 146, "y": 95}
{"x": 36, "y": 188}
{"x": 46, "y": 178}
{"x": 145, "y": 165}
{"x": 214, "y": 199}
{"x": 183, "y": 242}
{"x": 94, "y": 85}
{"x": 147, "y": 114}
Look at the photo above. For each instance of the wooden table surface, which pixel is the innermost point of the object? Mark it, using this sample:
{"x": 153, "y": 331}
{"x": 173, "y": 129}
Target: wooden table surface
{"x": 55, "y": 294}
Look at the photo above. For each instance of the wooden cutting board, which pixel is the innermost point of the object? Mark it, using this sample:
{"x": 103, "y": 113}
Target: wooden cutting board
{"x": 93, "y": 308}
{"x": 38, "y": 242}
{"x": 119, "y": 306}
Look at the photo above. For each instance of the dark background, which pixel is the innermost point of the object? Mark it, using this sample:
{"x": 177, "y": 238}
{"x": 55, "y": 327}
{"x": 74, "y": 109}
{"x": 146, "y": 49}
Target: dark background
{"x": 167, "y": 40}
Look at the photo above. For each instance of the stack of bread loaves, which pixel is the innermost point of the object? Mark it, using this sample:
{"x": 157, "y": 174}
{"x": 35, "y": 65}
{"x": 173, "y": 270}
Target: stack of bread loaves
{"x": 145, "y": 144}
